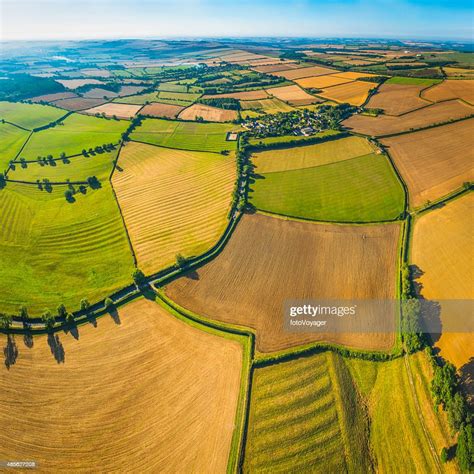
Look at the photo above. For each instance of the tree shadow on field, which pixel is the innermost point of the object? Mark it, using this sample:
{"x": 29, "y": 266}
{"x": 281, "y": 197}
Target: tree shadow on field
{"x": 91, "y": 319}
{"x": 147, "y": 292}
{"x": 73, "y": 330}
{"x": 192, "y": 275}
{"x": 28, "y": 340}
{"x": 115, "y": 315}
{"x": 10, "y": 351}
{"x": 56, "y": 347}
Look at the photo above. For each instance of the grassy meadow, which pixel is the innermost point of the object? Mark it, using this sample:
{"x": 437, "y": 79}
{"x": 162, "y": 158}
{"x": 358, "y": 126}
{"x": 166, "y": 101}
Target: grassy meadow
{"x": 361, "y": 189}
{"x": 29, "y": 115}
{"x": 62, "y": 251}
{"x": 11, "y": 140}
{"x": 185, "y": 135}
{"x": 77, "y": 132}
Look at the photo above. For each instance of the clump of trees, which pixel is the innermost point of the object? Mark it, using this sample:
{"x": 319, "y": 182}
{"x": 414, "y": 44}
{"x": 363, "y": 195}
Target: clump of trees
{"x": 49, "y": 320}
{"x": 228, "y": 103}
{"x": 138, "y": 277}
{"x": 3, "y": 181}
{"x": 181, "y": 262}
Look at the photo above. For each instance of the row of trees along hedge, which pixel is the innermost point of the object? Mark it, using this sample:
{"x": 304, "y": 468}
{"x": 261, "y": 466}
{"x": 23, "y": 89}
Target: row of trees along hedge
{"x": 228, "y": 103}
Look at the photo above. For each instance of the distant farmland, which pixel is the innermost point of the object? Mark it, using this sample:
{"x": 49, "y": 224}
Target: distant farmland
{"x": 173, "y": 201}
{"x": 141, "y": 379}
{"x": 270, "y": 260}
{"x": 434, "y": 162}
{"x": 29, "y": 116}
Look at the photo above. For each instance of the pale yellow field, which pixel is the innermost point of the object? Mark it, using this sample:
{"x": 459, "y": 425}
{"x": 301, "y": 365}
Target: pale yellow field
{"x": 354, "y": 93}
{"x": 455, "y": 89}
{"x": 125, "y": 111}
{"x": 320, "y": 82}
{"x": 146, "y": 393}
{"x": 294, "y": 95}
{"x": 298, "y": 73}
{"x": 354, "y": 75}
{"x": 173, "y": 201}
{"x": 311, "y": 155}
{"x": 208, "y": 113}
{"x": 458, "y": 72}
{"x": 443, "y": 249}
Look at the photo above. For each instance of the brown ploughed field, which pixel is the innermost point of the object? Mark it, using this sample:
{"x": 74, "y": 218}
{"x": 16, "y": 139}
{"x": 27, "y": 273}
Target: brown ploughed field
{"x": 156, "y": 109}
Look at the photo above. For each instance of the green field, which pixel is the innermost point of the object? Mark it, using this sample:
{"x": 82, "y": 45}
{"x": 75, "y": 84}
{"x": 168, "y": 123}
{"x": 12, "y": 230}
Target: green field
{"x": 29, "y": 115}
{"x": 53, "y": 252}
{"x": 175, "y": 87}
{"x": 413, "y": 81}
{"x": 177, "y": 98}
{"x": 305, "y": 417}
{"x": 290, "y": 138}
{"x": 268, "y": 106}
{"x": 361, "y": 189}
{"x": 77, "y": 133}
{"x": 11, "y": 140}
{"x": 395, "y": 426}
{"x": 185, "y": 135}
{"x": 78, "y": 168}
{"x": 138, "y": 99}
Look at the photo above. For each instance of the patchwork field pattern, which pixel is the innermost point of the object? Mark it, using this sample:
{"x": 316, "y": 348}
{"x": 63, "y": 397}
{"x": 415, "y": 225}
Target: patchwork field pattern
{"x": 434, "y": 162}
{"x": 268, "y": 106}
{"x": 442, "y": 249}
{"x": 246, "y": 95}
{"x": 298, "y": 73}
{"x": 173, "y": 373}
{"x": 173, "y": 201}
{"x": 354, "y": 93}
{"x": 269, "y": 260}
{"x": 124, "y": 111}
{"x": 161, "y": 110}
{"x": 185, "y": 135}
{"x": 62, "y": 251}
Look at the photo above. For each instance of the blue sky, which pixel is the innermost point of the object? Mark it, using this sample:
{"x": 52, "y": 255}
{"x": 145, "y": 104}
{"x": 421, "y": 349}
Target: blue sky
{"x": 62, "y": 19}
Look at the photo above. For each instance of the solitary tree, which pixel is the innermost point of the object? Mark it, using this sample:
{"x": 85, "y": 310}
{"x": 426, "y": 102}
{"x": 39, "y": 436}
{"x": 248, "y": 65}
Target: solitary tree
{"x": 138, "y": 277}
{"x": 23, "y": 313}
{"x": 85, "y": 305}
{"x": 181, "y": 261}
{"x": 5, "y": 321}
{"x": 108, "y": 303}
{"x": 48, "y": 319}
{"x": 62, "y": 311}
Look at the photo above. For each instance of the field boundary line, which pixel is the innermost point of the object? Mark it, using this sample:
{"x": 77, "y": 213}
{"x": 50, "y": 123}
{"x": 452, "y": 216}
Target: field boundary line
{"x": 17, "y": 126}
{"x": 115, "y": 162}
{"x": 181, "y": 149}
{"x": 18, "y": 154}
{"x": 432, "y": 206}
{"x": 420, "y": 414}
{"x": 316, "y": 221}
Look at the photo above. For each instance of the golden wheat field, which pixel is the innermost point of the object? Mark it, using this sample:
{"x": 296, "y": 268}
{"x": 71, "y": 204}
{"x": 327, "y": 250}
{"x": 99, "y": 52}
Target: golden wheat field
{"x": 443, "y": 250}
{"x": 173, "y": 201}
{"x": 354, "y": 93}
{"x": 434, "y": 162}
{"x": 124, "y": 111}
{"x": 269, "y": 260}
{"x": 294, "y": 95}
{"x": 320, "y": 82}
{"x": 142, "y": 391}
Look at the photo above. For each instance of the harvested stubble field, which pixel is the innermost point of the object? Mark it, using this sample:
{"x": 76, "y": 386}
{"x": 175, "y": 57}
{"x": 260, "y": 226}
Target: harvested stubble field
{"x": 298, "y": 73}
{"x": 457, "y": 89}
{"x": 208, "y": 113}
{"x": 75, "y": 83}
{"x": 305, "y": 415}
{"x": 443, "y": 249}
{"x": 339, "y": 181}
{"x": 146, "y": 393}
{"x": 173, "y": 201}
{"x": 54, "y": 97}
{"x": 294, "y": 95}
{"x": 387, "y": 125}
{"x": 62, "y": 251}
{"x": 246, "y": 95}
{"x": 11, "y": 140}
{"x": 76, "y": 133}
{"x": 320, "y": 82}
{"x": 269, "y": 260}
{"x": 78, "y": 103}
{"x": 77, "y": 168}
{"x": 185, "y": 135}
{"x": 162, "y": 110}
{"x": 412, "y": 81}
{"x": 434, "y": 162}
{"x": 99, "y": 93}
{"x": 125, "y": 111}
{"x": 459, "y": 72}
{"x": 354, "y": 75}
{"x": 29, "y": 115}
{"x": 397, "y": 99}
{"x": 268, "y": 106}
{"x": 354, "y": 93}
{"x": 395, "y": 417}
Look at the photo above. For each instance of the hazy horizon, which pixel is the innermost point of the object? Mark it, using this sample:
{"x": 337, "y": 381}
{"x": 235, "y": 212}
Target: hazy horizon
{"x": 147, "y": 19}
